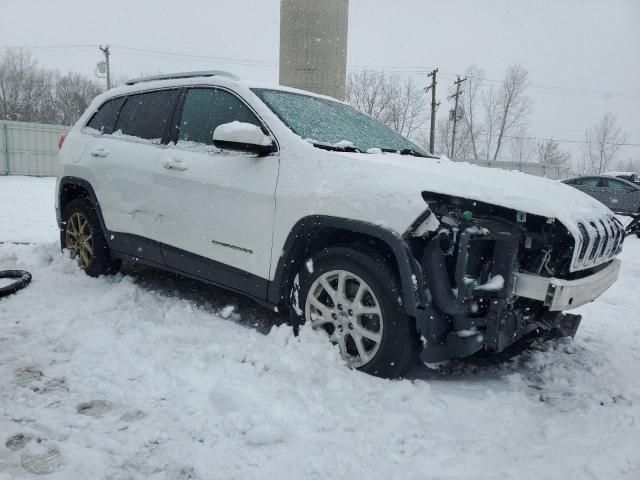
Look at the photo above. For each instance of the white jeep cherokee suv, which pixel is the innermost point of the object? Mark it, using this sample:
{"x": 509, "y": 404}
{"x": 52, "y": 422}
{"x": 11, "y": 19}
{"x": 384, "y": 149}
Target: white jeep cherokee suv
{"x": 303, "y": 203}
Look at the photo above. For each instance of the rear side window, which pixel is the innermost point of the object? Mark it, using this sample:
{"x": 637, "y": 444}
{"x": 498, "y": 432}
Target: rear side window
{"x": 147, "y": 115}
{"x": 104, "y": 120}
{"x": 207, "y": 108}
{"x": 588, "y": 182}
{"x": 615, "y": 184}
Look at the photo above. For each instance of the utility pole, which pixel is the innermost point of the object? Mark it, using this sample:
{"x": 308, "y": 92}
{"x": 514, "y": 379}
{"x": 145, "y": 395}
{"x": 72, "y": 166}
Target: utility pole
{"x": 434, "y": 105}
{"x": 455, "y": 112}
{"x": 107, "y": 53}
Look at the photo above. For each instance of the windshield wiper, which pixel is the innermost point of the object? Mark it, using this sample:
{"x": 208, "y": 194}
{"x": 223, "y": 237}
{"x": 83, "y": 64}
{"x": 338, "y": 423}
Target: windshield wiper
{"x": 408, "y": 151}
{"x": 336, "y": 148}
{"x": 415, "y": 153}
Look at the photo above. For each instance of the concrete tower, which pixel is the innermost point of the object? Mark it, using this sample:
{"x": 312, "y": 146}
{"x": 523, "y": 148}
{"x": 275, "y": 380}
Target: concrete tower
{"x": 313, "y": 45}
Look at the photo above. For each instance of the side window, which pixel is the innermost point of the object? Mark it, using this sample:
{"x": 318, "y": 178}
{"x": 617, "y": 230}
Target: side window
{"x": 147, "y": 115}
{"x": 207, "y": 108}
{"x": 590, "y": 182}
{"x": 615, "y": 184}
{"x": 104, "y": 120}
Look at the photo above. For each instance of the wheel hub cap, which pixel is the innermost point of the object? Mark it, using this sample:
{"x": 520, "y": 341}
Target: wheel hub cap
{"x": 345, "y": 307}
{"x": 79, "y": 239}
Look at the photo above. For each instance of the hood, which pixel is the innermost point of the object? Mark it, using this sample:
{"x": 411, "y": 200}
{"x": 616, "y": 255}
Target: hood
{"x": 510, "y": 189}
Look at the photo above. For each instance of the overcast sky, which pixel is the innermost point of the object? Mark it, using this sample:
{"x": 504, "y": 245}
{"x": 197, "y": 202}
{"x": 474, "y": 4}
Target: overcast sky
{"x": 587, "y": 51}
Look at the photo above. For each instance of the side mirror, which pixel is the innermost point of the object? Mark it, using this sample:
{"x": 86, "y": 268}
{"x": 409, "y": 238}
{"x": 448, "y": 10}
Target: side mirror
{"x": 244, "y": 137}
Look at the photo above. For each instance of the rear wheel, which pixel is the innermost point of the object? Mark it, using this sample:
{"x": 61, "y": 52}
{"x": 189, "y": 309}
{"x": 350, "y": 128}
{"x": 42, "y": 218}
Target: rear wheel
{"x": 84, "y": 239}
{"x": 353, "y": 298}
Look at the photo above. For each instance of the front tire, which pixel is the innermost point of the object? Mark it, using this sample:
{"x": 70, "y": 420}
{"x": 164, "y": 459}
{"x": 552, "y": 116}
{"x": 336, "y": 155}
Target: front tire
{"x": 354, "y": 298}
{"x": 82, "y": 235}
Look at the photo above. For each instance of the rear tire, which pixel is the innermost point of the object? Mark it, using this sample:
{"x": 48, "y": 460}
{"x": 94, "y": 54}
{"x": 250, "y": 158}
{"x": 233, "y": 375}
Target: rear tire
{"x": 82, "y": 235}
{"x": 355, "y": 298}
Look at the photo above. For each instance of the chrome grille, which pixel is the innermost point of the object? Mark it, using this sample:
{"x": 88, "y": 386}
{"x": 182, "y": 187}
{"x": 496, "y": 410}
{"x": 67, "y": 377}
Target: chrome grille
{"x": 599, "y": 242}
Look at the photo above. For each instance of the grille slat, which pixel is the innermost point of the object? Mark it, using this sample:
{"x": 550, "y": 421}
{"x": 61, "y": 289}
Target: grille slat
{"x": 599, "y": 241}
{"x": 594, "y": 250}
{"x": 605, "y": 241}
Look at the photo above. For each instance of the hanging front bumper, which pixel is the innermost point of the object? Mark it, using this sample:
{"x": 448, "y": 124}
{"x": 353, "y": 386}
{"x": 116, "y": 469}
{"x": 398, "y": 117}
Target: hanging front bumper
{"x": 558, "y": 294}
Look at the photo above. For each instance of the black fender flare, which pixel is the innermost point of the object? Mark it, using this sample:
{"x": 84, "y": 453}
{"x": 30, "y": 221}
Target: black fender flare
{"x": 303, "y": 231}
{"x": 91, "y": 196}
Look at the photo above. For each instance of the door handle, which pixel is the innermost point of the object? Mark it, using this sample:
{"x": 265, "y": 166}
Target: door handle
{"x": 173, "y": 164}
{"x": 99, "y": 152}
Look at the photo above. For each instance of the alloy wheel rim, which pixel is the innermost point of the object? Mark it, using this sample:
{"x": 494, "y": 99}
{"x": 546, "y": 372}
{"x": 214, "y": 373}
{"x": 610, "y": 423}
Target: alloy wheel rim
{"x": 344, "y": 306}
{"x": 79, "y": 239}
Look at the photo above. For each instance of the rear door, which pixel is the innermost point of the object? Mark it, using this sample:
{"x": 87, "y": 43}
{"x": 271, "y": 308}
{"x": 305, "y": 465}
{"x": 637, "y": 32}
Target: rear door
{"x": 218, "y": 205}
{"x": 124, "y": 163}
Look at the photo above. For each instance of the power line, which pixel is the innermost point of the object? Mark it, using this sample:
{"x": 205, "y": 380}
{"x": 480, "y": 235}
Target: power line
{"x": 569, "y": 141}
{"x": 550, "y": 89}
{"x": 409, "y": 69}
{"x": 123, "y": 49}
{"x": 240, "y": 61}
{"x": 47, "y": 47}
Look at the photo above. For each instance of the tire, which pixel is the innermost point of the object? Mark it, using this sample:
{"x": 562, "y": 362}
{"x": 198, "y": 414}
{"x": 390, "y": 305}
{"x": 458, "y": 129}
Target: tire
{"x": 84, "y": 238}
{"x": 387, "y": 339}
{"x": 22, "y": 277}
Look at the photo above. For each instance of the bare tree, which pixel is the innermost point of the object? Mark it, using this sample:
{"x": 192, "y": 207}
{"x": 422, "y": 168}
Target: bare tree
{"x": 396, "y": 102}
{"x": 628, "y": 165}
{"x": 490, "y": 110}
{"x": 406, "y": 109}
{"x": 21, "y": 86}
{"x": 464, "y": 148}
{"x": 368, "y": 91}
{"x": 513, "y": 106}
{"x": 31, "y": 94}
{"x": 73, "y": 94}
{"x": 521, "y": 146}
{"x": 602, "y": 143}
{"x": 549, "y": 154}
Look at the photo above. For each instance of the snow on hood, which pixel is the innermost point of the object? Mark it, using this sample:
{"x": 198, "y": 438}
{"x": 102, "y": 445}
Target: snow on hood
{"x": 510, "y": 189}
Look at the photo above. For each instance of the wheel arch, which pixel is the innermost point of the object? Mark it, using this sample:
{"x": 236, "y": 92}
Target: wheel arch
{"x": 317, "y": 231}
{"x": 71, "y": 188}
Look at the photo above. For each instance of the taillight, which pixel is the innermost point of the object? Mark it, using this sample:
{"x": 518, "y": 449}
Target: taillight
{"x": 61, "y": 141}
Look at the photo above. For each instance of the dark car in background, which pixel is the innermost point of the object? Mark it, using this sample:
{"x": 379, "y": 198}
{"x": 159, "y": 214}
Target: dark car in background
{"x": 621, "y": 196}
{"x": 628, "y": 176}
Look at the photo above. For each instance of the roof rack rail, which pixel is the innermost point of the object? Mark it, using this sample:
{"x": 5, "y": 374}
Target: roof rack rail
{"x": 173, "y": 76}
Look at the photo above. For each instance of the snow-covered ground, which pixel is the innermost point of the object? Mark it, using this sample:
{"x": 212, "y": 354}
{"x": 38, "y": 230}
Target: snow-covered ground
{"x": 149, "y": 375}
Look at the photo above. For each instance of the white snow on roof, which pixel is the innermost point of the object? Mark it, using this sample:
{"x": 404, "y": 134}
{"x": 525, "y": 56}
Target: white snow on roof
{"x": 615, "y": 174}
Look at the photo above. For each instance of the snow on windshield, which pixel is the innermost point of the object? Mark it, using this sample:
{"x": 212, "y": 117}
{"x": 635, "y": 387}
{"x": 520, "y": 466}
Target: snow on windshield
{"x": 332, "y": 122}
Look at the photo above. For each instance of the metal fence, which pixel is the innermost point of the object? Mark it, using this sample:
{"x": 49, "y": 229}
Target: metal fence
{"x": 537, "y": 169}
{"x": 29, "y": 148}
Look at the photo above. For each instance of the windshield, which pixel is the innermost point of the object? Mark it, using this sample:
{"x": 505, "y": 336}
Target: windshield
{"x": 329, "y": 122}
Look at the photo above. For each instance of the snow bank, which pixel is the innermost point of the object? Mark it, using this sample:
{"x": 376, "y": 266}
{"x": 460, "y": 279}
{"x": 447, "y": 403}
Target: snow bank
{"x": 27, "y": 212}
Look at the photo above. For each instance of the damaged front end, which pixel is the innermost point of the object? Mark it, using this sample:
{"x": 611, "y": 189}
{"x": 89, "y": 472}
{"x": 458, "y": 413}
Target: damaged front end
{"x": 493, "y": 275}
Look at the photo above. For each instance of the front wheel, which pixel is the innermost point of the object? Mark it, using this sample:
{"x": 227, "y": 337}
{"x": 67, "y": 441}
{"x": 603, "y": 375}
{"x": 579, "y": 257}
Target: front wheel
{"x": 353, "y": 297}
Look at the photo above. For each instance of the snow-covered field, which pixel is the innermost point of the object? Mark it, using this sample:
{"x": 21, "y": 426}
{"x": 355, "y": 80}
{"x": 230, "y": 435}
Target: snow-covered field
{"x": 149, "y": 375}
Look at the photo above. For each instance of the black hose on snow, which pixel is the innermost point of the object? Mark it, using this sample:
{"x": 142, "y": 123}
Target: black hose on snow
{"x": 23, "y": 278}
